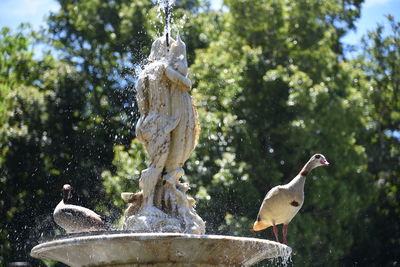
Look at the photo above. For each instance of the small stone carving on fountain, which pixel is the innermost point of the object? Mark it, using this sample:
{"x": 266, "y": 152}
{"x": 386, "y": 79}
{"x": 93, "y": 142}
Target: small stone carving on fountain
{"x": 169, "y": 129}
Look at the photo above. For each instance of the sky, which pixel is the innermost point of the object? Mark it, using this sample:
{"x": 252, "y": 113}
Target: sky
{"x": 14, "y": 12}
{"x": 373, "y": 12}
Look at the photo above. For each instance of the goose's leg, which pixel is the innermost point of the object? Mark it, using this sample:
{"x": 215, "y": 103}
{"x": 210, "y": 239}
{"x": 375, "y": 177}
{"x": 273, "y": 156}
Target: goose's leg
{"x": 276, "y": 233}
{"x": 285, "y": 226}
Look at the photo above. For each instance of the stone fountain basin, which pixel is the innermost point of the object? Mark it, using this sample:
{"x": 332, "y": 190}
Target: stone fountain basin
{"x": 158, "y": 249}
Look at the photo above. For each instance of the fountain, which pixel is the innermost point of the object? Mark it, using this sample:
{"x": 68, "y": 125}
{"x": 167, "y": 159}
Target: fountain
{"x": 161, "y": 226}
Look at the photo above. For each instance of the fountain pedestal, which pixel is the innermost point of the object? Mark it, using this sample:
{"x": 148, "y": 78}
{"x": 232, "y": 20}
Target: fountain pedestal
{"x": 158, "y": 249}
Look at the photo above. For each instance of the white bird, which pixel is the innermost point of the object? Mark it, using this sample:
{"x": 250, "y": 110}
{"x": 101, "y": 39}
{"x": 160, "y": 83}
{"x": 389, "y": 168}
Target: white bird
{"x": 283, "y": 202}
{"x": 75, "y": 218}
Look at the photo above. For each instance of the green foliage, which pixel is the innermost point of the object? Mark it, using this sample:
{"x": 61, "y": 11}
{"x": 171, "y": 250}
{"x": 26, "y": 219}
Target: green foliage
{"x": 380, "y": 63}
{"x": 22, "y": 116}
{"x": 126, "y": 176}
{"x": 274, "y": 93}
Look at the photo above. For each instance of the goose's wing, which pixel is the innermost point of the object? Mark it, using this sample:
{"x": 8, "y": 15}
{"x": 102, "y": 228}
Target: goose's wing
{"x": 274, "y": 192}
{"x": 269, "y": 197}
{"x": 79, "y": 219}
{"x": 273, "y": 200}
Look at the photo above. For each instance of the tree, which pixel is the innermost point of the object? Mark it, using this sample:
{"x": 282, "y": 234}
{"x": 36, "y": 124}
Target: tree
{"x": 31, "y": 147}
{"x": 273, "y": 91}
{"x": 380, "y": 64}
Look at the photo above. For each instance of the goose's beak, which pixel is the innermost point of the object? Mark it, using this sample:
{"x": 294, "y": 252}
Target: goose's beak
{"x": 324, "y": 163}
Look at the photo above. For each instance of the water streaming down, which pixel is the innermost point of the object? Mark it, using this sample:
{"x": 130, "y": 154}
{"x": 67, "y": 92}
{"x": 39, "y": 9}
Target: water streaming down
{"x": 161, "y": 217}
{"x": 167, "y": 7}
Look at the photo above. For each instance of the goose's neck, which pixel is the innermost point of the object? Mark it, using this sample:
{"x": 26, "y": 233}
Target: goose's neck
{"x": 298, "y": 182}
{"x": 66, "y": 196}
{"x": 306, "y": 169}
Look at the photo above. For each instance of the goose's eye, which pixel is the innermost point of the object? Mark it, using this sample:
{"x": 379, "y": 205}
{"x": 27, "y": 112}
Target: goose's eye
{"x": 317, "y": 156}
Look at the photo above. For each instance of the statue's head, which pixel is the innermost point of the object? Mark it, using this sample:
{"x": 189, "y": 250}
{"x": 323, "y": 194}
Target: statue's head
{"x": 178, "y": 56}
{"x": 159, "y": 49}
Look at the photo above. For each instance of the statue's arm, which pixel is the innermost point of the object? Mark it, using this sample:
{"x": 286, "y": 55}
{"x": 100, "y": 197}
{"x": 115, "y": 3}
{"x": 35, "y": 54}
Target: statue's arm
{"x": 176, "y": 77}
{"x": 142, "y": 98}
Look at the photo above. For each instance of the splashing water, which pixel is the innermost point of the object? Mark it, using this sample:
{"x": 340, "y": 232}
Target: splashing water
{"x": 167, "y": 6}
{"x": 285, "y": 258}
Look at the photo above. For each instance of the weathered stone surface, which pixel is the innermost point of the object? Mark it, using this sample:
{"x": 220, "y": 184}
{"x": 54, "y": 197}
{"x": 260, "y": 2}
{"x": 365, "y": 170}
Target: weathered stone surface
{"x": 169, "y": 129}
{"x": 163, "y": 249}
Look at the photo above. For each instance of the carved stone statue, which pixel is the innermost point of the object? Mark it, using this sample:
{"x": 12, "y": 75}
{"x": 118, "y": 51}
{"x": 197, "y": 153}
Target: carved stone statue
{"x": 169, "y": 129}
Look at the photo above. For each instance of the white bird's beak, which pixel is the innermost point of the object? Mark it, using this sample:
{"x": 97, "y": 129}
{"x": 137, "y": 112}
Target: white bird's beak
{"x": 324, "y": 162}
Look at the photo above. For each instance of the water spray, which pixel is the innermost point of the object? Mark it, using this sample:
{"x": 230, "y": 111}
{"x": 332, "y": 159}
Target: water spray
{"x": 166, "y": 11}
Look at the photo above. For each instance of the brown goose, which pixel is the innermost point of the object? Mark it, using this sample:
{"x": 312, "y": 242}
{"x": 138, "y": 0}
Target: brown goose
{"x": 75, "y": 218}
{"x": 283, "y": 202}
